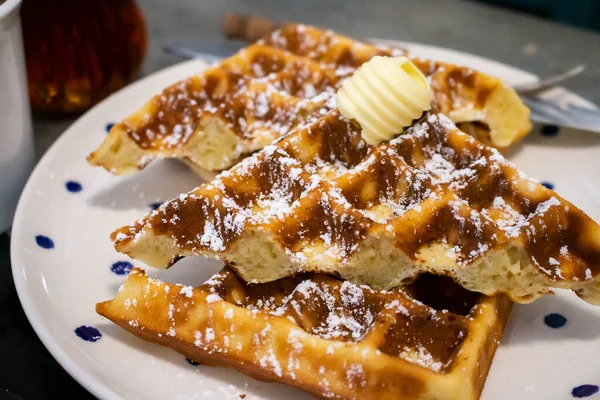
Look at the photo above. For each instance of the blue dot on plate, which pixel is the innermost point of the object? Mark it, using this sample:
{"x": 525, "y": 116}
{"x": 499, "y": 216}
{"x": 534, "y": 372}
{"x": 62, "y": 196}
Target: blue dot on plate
{"x": 44, "y": 242}
{"x": 109, "y": 126}
{"x": 88, "y": 333}
{"x": 73, "y": 187}
{"x": 555, "y": 320}
{"x": 155, "y": 205}
{"x": 584, "y": 391}
{"x": 550, "y": 130}
{"x": 548, "y": 185}
{"x": 192, "y": 361}
{"x": 121, "y": 267}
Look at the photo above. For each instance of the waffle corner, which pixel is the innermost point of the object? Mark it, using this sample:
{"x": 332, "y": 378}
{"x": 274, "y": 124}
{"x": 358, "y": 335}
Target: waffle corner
{"x": 283, "y": 333}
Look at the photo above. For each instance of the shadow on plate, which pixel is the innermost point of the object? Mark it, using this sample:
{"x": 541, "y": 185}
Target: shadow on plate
{"x": 161, "y": 181}
{"x": 526, "y": 322}
{"x": 189, "y": 271}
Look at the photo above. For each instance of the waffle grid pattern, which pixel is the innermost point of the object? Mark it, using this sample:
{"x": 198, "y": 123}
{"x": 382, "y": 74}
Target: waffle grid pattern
{"x": 432, "y": 200}
{"x": 328, "y": 337}
{"x": 217, "y": 117}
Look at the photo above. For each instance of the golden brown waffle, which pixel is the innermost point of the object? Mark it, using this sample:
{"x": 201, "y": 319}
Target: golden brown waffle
{"x": 432, "y": 200}
{"x": 481, "y": 105}
{"x": 214, "y": 118}
{"x": 217, "y": 117}
{"x": 336, "y": 340}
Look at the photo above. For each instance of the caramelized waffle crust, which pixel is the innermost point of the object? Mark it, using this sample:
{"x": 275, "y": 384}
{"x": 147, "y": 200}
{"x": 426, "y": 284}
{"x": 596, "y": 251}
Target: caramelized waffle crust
{"x": 336, "y": 340}
{"x": 242, "y": 104}
{"x": 432, "y": 200}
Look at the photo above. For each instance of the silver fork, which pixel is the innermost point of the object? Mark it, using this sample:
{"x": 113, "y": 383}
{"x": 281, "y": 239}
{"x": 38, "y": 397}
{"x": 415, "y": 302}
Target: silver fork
{"x": 550, "y": 112}
{"x": 550, "y": 82}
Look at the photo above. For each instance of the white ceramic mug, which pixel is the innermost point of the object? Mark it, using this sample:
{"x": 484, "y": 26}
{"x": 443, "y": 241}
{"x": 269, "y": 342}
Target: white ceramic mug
{"x": 16, "y": 139}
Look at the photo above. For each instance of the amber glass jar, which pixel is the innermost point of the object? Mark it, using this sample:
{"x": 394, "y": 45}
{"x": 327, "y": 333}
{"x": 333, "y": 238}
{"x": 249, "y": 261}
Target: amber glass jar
{"x": 78, "y": 52}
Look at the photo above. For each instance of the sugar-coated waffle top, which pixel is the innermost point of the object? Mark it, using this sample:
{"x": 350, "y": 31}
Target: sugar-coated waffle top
{"x": 285, "y": 80}
{"x": 431, "y": 339}
{"x": 260, "y": 89}
{"x": 431, "y": 200}
{"x": 469, "y": 97}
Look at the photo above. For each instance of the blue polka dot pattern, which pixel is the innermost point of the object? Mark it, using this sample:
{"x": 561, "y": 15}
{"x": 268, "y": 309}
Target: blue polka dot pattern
{"x": 155, "y": 205}
{"x": 584, "y": 391}
{"x": 192, "y": 361}
{"x": 121, "y": 267}
{"x": 109, "y": 126}
{"x": 73, "y": 187}
{"x": 555, "y": 320}
{"x": 548, "y": 185}
{"x": 550, "y": 130}
{"x": 88, "y": 333}
{"x": 44, "y": 242}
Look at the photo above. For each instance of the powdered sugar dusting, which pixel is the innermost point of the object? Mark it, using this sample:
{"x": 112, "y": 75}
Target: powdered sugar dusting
{"x": 336, "y": 192}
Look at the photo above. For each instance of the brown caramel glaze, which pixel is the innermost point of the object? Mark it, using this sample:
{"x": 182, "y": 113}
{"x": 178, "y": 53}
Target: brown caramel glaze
{"x": 388, "y": 179}
{"x": 558, "y": 227}
{"x": 459, "y": 84}
{"x": 544, "y": 236}
{"x": 464, "y": 77}
{"x": 460, "y": 210}
{"x": 359, "y": 305}
{"x": 325, "y": 46}
{"x": 268, "y": 177}
{"x": 320, "y": 218}
{"x": 483, "y": 95}
{"x": 312, "y": 62}
{"x": 184, "y": 220}
{"x": 427, "y": 67}
{"x": 397, "y": 379}
{"x": 323, "y": 218}
{"x": 230, "y": 92}
{"x": 306, "y": 80}
{"x": 297, "y": 40}
{"x": 332, "y": 138}
{"x": 431, "y": 313}
{"x": 447, "y": 224}
{"x": 440, "y": 334}
{"x": 459, "y": 79}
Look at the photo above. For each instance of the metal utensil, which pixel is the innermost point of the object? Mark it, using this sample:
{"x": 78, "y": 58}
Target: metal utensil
{"x": 549, "y": 82}
{"x": 542, "y": 111}
{"x": 567, "y": 115}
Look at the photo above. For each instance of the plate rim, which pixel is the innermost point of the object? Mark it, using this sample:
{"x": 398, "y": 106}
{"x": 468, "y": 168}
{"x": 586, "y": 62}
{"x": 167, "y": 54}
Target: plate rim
{"x": 97, "y": 387}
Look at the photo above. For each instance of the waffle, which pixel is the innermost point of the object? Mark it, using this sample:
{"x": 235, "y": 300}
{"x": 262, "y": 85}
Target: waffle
{"x": 336, "y": 340}
{"x": 212, "y": 119}
{"x": 432, "y": 200}
{"x": 215, "y": 118}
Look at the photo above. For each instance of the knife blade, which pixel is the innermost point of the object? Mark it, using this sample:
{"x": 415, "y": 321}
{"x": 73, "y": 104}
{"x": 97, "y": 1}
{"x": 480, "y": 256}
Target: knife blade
{"x": 566, "y": 115}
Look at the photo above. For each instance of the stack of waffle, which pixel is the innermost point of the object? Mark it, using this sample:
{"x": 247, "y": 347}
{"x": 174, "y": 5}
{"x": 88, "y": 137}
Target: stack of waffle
{"x": 289, "y": 79}
{"x": 342, "y": 257}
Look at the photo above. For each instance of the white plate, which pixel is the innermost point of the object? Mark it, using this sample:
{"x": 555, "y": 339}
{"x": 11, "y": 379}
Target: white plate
{"x": 59, "y": 287}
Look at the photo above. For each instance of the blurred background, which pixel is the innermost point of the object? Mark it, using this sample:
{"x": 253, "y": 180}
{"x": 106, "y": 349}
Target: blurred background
{"x": 582, "y": 13}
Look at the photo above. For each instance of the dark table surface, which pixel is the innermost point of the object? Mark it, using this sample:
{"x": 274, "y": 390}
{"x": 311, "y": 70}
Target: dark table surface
{"x": 28, "y": 371}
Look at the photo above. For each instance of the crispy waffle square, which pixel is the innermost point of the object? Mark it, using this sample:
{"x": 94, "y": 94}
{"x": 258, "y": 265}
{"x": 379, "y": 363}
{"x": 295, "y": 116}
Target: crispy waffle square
{"x": 229, "y": 110}
{"x": 432, "y": 200}
{"x": 334, "y": 339}
{"x": 242, "y": 104}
